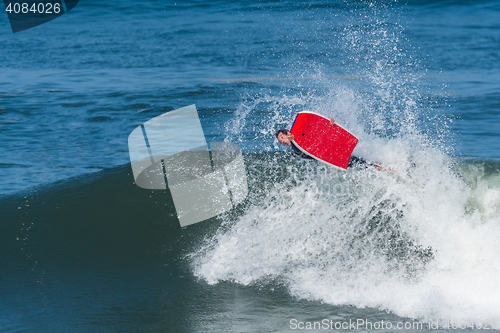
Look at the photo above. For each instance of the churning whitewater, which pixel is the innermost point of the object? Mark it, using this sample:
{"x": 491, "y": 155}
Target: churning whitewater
{"x": 419, "y": 241}
{"x": 86, "y": 249}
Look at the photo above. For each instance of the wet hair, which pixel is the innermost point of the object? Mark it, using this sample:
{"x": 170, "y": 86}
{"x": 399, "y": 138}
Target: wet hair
{"x": 284, "y": 131}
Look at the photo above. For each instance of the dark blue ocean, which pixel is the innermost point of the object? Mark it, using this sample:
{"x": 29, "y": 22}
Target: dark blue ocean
{"x": 83, "y": 249}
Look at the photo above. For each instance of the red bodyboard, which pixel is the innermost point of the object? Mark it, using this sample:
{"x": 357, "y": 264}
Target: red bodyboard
{"x": 318, "y": 138}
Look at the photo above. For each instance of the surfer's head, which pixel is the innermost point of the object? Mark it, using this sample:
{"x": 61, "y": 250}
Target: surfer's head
{"x": 284, "y": 137}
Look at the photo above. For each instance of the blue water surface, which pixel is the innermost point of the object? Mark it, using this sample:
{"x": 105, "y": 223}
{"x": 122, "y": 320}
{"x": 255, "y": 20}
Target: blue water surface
{"x": 73, "y": 89}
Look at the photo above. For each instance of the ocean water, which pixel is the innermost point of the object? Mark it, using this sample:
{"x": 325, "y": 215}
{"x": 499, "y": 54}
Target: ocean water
{"x": 83, "y": 249}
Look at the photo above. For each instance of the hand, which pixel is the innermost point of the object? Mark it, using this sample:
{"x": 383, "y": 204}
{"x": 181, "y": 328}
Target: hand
{"x": 331, "y": 120}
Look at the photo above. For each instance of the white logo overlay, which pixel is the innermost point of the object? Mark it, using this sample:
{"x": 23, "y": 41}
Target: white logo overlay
{"x": 205, "y": 179}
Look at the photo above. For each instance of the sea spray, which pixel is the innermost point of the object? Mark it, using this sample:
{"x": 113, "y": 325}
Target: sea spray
{"x": 419, "y": 241}
{"x": 406, "y": 241}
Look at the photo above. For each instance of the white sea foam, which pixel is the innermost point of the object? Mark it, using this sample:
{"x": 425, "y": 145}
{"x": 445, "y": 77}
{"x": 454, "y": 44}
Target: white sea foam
{"x": 366, "y": 242}
{"x": 420, "y": 242}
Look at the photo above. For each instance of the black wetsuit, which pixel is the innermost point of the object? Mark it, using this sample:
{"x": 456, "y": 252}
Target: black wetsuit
{"x": 354, "y": 161}
{"x": 296, "y": 151}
